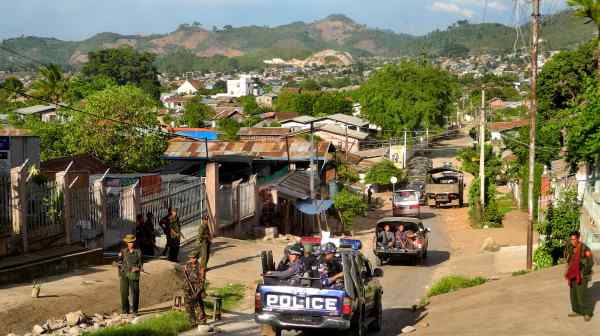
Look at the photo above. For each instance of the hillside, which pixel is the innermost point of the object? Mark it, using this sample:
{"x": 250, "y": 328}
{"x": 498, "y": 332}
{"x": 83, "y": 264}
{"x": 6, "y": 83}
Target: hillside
{"x": 178, "y": 49}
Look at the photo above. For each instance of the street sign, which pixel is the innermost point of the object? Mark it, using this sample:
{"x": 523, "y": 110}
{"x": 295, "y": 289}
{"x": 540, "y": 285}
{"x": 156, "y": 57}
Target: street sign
{"x": 4, "y": 143}
{"x": 393, "y": 180}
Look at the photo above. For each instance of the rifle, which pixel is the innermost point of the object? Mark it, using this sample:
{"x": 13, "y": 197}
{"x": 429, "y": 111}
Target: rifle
{"x": 195, "y": 291}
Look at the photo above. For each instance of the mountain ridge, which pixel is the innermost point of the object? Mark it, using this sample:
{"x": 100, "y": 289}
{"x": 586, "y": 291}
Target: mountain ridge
{"x": 300, "y": 39}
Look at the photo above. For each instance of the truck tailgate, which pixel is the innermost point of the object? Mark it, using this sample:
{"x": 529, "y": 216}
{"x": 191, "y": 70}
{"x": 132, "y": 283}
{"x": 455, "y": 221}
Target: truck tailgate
{"x": 300, "y": 300}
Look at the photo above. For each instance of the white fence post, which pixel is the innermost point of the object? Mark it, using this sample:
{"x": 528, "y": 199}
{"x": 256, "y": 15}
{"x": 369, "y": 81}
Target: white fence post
{"x": 19, "y": 203}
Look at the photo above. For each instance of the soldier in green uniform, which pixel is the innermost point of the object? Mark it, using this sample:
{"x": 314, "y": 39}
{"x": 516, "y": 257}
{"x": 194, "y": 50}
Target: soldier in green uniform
{"x": 174, "y": 234}
{"x": 193, "y": 287}
{"x": 130, "y": 266}
{"x": 204, "y": 243}
{"x": 579, "y": 273}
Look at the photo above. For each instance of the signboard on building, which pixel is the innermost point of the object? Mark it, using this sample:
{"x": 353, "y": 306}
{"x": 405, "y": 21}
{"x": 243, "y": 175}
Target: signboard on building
{"x": 397, "y": 155}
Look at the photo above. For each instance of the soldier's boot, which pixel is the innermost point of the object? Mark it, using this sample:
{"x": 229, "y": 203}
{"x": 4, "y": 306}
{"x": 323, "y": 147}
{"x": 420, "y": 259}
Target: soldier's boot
{"x": 574, "y": 314}
{"x": 587, "y": 318}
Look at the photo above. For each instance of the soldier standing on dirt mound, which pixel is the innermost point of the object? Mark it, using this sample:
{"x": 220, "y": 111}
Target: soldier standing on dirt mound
{"x": 130, "y": 266}
{"x": 193, "y": 288}
{"x": 579, "y": 273}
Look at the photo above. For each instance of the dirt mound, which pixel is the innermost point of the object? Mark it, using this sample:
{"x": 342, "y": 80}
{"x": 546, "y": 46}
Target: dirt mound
{"x": 182, "y": 38}
{"x": 120, "y": 42}
{"x": 335, "y": 28}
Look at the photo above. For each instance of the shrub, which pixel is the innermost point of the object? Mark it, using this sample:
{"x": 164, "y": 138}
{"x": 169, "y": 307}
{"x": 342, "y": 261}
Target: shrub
{"x": 169, "y": 324}
{"x": 453, "y": 283}
{"x": 381, "y": 173}
{"x": 349, "y": 205}
{"x": 542, "y": 257}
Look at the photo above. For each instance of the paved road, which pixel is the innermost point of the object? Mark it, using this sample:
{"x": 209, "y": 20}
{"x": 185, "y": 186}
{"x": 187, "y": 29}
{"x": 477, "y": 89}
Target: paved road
{"x": 404, "y": 285}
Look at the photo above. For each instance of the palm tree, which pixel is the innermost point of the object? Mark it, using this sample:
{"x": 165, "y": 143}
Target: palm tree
{"x": 589, "y": 9}
{"x": 51, "y": 85}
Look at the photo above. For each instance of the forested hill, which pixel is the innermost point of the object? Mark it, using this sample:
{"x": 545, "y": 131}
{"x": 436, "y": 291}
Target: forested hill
{"x": 248, "y": 46}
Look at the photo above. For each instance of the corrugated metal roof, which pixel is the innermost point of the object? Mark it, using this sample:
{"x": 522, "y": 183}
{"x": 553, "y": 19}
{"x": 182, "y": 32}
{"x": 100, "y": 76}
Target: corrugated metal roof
{"x": 36, "y": 109}
{"x": 299, "y": 149}
{"x": 263, "y": 131}
{"x": 342, "y": 131}
{"x": 296, "y": 184}
{"x": 348, "y": 119}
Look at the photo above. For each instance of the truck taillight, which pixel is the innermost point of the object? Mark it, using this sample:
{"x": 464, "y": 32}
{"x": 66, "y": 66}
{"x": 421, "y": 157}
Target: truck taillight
{"x": 257, "y": 302}
{"x": 415, "y": 206}
{"x": 419, "y": 244}
{"x": 347, "y": 306}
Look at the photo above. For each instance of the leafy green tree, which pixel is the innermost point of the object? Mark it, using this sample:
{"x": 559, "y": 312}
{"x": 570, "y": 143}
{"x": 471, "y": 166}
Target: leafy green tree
{"x": 125, "y": 66}
{"x": 346, "y": 173}
{"x": 310, "y": 85}
{"x": 329, "y": 103}
{"x": 195, "y": 112}
{"x": 589, "y": 9}
{"x": 80, "y": 88}
{"x": 228, "y": 129}
{"x": 409, "y": 95}
{"x": 12, "y": 85}
{"x": 56, "y": 138}
{"x": 120, "y": 127}
{"x": 382, "y": 171}
{"x": 349, "y": 205}
{"x": 249, "y": 104}
{"x": 52, "y": 85}
{"x": 583, "y": 133}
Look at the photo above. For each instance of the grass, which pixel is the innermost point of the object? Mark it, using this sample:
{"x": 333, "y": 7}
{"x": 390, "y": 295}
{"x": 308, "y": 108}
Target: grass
{"x": 232, "y": 294}
{"x": 174, "y": 322}
{"x": 521, "y": 272}
{"x": 505, "y": 203}
{"x": 452, "y": 283}
{"x": 168, "y": 324}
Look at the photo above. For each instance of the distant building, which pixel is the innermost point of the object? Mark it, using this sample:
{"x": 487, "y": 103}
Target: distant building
{"x": 196, "y": 133}
{"x": 16, "y": 146}
{"x": 189, "y": 87}
{"x": 46, "y": 113}
{"x": 240, "y": 87}
{"x": 267, "y": 100}
{"x": 263, "y": 133}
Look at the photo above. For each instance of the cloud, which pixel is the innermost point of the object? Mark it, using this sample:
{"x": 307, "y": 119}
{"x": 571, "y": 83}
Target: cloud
{"x": 439, "y": 6}
{"x": 499, "y": 5}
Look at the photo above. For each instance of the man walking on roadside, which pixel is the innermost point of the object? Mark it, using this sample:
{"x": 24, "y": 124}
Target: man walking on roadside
{"x": 130, "y": 266}
{"x": 579, "y": 273}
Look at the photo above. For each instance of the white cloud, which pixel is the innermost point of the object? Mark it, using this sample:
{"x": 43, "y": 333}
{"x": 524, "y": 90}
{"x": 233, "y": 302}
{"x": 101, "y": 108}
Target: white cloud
{"x": 499, "y": 5}
{"x": 439, "y": 6}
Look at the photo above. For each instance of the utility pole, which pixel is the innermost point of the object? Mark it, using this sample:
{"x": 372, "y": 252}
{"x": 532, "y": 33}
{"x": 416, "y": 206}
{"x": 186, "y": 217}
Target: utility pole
{"x": 312, "y": 161}
{"x": 482, "y": 152}
{"x": 532, "y": 123}
{"x": 405, "y": 152}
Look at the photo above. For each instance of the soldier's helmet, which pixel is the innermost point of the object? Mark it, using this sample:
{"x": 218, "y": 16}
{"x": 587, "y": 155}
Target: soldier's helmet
{"x": 328, "y": 248}
{"x": 193, "y": 254}
{"x": 296, "y": 249}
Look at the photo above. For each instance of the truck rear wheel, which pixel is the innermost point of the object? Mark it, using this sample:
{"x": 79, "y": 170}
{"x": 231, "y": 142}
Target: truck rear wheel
{"x": 358, "y": 328}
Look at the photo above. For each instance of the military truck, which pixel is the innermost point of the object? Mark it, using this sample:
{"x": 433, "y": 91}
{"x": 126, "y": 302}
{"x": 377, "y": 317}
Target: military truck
{"x": 444, "y": 186}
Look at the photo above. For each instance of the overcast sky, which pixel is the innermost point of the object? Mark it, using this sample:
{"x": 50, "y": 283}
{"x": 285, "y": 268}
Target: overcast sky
{"x": 79, "y": 19}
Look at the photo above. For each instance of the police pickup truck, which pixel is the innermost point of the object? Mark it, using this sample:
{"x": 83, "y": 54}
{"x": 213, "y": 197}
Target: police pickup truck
{"x": 355, "y": 307}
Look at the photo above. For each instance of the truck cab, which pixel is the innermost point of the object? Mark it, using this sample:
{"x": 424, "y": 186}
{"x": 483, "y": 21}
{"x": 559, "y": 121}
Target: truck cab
{"x": 354, "y": 306}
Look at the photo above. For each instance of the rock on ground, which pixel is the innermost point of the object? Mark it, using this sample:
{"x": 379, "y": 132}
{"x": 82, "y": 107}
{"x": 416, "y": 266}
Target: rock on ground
{"x": 490, "y": 245}
{"x": 408, "y": 329}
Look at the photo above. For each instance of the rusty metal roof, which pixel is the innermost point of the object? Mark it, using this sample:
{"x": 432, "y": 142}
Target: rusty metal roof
{"x": 263, "y": 131}
{"x": 299, "y": 149}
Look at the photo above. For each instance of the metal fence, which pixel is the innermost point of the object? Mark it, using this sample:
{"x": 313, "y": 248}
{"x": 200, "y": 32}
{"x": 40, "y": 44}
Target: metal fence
{"x": 85, "y": 214}
{"x": 225, "y": 208}
{"x": 5, "y": 205}
{"x": 188, "y": 197}
{"x": 45, "y": 210}
{"x": 247, "y": 200}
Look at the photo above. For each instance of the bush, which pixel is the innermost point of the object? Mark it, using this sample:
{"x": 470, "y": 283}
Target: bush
{"x": 381, "y": 173}
{"x": 452, "y": 283}
{"x": 349, "y": 206}
{"x": 542, "y": 257}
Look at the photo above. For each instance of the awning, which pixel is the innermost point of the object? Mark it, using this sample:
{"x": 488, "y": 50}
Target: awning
{"x": 314, "y": 207}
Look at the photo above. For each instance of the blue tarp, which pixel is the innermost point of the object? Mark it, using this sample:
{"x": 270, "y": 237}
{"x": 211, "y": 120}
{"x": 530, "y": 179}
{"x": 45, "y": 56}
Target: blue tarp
{"x": 200, "y": 135}
{"x": 313, "y": 207}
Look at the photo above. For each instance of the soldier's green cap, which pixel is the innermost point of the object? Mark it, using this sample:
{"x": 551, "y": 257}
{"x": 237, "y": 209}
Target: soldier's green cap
{"x": 129, "y": 238}
{"x": 309, "y": 248}
{"x": 193, "y": 254}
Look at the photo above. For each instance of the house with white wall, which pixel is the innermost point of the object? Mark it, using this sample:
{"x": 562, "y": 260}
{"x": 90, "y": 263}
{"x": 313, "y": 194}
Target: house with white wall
{"x": 189, "y": 87}
{"x": 244, "y": 86}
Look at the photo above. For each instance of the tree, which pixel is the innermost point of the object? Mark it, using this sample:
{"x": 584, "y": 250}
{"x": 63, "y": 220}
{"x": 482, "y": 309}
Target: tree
{"x": 310, "y": 85}
{"x": 195, "y": 112}
{"x": 13, "y": 85}
{"x": 589, "y": 9}
{"x": 382, "y": 171}
{"x": 583, "y": 133}
{"x": 51, "y": 85}
{"x": 80, "y": 88}
{"x": 249, "y": 105}
{"x": 125, "y": 66}
{"x": 228, "y": 129}
{"x": 409, "y": 95}
{"x": 349, "y": 205}
{"x": 120, "y": 127}
{"x": 330, "y": 103}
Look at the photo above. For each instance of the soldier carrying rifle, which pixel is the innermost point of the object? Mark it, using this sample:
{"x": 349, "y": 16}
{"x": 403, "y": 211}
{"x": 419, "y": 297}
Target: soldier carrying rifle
{"x": 130, "y": 266}
{"x": 193, "y": 288}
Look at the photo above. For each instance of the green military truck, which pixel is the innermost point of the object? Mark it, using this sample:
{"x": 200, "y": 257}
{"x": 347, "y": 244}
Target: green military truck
{"x": 444, "y": 186}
